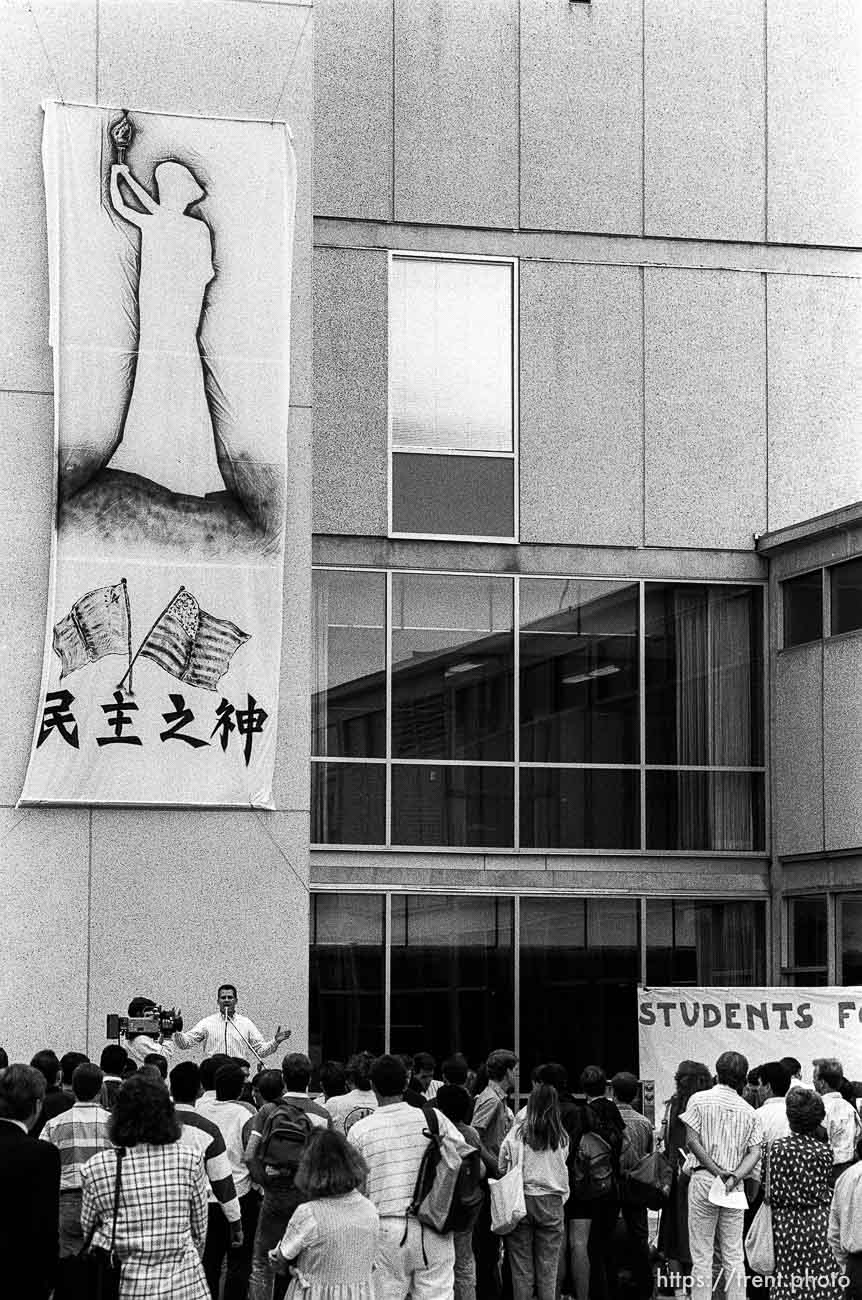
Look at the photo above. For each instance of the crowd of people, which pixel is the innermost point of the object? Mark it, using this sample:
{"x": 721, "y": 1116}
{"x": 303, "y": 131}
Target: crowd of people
{"x": 208, "y": 1180}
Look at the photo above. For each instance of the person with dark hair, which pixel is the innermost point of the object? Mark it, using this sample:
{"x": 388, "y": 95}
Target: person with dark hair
{"x": 800, "y": 1176}
{"x": 455, "y": 1102}
{"x": 228, "y": 1032}
{"x": 270, "y": 1085}
{"x": 640, "y": 1136}
{"x": 574, "y": 1275}
{"x": 359, "y": 1100}
{"x": 158, "y": 1062}
{"x": 690, "y": 1077}
{"x": 209, "y": 1067}
{"x": 233, "y": 1120}
{"x": 4, "y": 1058}
{"x": 161, "y": 1223}
{"x": 492, "y": 1120}
{"x": 455, "y": 1069}
{"x": 280, "y": 1194}
{"x": 29, "y": 1189}
{"x": 333, "y": 1079}
{"x": 77, "y": 1133}
{"x": 773, "y": 1081}
{"x": 112, "y": 1062}
{"x": 55, "y": 1099}
{"x": 413, "y": 1258}
{"x": 224, "y": 1216}
{"x": 140, "y": 1045}
{"x": 843, "y": 1125}
{"x": 605, "y": 1119}
{"x": 725, "y": 1136}
{"x": 844, "y": 1232}
{"x": 332, "y": 1238}
{"x": 422, "y": 1076}
{"x": 539, "y": 1144}
{"x": 69, "y": 1062}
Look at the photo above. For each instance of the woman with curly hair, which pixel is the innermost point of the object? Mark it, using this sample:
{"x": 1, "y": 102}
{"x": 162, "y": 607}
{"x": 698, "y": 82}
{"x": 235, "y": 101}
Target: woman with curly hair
{"x": 690, "y": 1077}
{"x": 331, "y": 1239}
{"x": 800, "y": 1175}
{"x": 162, "y": 1213}
{"x": 539, "y": 1143}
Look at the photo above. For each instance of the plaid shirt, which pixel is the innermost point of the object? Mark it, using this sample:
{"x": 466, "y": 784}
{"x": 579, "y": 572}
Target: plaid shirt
{"x": 161, "y": 1221}
{"x": 78, "y": 1133}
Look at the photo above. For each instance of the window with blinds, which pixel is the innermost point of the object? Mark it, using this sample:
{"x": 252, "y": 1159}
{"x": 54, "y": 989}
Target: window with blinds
{"x": 452, "y": 397}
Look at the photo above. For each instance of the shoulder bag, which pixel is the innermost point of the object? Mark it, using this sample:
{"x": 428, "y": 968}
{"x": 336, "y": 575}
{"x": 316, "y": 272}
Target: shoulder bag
{"x": 759, "y": 1241}
{"x": 508, "y": 1206}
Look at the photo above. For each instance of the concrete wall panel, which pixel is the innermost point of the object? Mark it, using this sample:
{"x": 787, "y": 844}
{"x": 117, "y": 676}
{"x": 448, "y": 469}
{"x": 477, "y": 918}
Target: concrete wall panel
{"x": 350, "y": 359}
{"x": 704, "y": 111}
{"x": 353, "y": 109}
{"x": 291, "y": 779}
{"x": 842, "y": 731}
{"x": 581, "y": 116}
{"x": 47, "y": 51}
{"x": 27, "y": 452}
{"x": 814, "y": 69}
{"x": 181, "y": 902}
{"x": 797, "y": 751}
{"x": 705, "y": 388}
{"x": 814, "y": 331}
{"x": 581, "y": 404}
{"x": 43, "y": 974}
{"x": 456, "y": 112}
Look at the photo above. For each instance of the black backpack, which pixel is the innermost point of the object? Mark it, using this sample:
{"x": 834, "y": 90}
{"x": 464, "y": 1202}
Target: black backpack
{"x": 284, "y": 1138}
{"x": 448, "y": 1194}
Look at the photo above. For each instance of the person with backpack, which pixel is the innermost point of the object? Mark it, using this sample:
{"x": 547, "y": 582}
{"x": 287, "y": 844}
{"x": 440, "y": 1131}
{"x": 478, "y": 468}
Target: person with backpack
{"x": 594, "y": 1174}
{"x": 539, "y": 1144}
{"x": 414, "y": 1258}
{"x": 279, "y": 1135}
{"x": 456, "y": 1104}
{"x": 332, "y": 1238}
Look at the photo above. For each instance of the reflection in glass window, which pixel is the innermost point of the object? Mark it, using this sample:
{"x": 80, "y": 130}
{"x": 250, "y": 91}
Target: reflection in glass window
{"x": 348, "y": 803}
{"x": 578, "y": 992}
{"x": 851, "y": 939}
{"x": 579, "y": 672}
{"x": 807, "y": 933}
{"x": 705, "y": 943}
{"x": 846, "y": 580}
{"x": 803, "y": 608}
{"x": 723, "y": 811}
{"x": 703, "y": 675}
{"x": 452, "y": 667}
{"x": 453, "y": 807}
{"x": 346, "y": 1006}
{"x": 348, "y": 701}
{"x": 579, "y": 808}
{"x": 452, "y": 969}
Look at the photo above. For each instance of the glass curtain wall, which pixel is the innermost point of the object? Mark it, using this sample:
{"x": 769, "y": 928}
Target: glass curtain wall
{"x": 554, "y": 977}
{"x": 536, "y": 713}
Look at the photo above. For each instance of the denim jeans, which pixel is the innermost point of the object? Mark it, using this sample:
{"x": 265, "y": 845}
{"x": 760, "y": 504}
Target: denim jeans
{"x": 465, "y": 1266}
{"x": 533, "y": 1248}
{"x": 275, "y": 1212}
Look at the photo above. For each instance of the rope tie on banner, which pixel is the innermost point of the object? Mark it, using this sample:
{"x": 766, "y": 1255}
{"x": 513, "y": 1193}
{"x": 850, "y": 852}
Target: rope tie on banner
{"x": 290, "y": 69}
{"x": 281, "y": 853}
{"x": 48, "y": 59}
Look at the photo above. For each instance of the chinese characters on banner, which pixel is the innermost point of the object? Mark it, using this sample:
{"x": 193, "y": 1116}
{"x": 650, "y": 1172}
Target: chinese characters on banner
{"x": 170, "y": 244}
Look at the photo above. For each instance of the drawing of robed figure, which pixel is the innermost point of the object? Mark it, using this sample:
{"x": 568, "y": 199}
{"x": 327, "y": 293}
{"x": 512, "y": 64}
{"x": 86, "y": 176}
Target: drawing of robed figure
{"x": 168, "y": 434}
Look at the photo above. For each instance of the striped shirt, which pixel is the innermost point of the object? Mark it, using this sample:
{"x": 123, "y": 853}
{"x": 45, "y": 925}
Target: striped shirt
{"x": 842, "y": 1126}
{"x": 202, "y": 1135}
{"x": 393, "y": 1141}
{"x": 227, "y": 1034}
{"x": 78, "y": 1133}
{"x": 234, "y": 1122}
{"x": 725, "y": 1125}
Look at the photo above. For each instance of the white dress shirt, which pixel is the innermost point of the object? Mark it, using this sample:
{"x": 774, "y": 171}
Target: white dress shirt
{"x": 225, "y": 1034}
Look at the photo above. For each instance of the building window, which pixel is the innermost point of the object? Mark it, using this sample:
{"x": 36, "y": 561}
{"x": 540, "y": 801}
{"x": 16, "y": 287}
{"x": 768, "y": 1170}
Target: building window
{"x": 435, "y": 726}
{"x": 850, "y": 913}
{"x": 554, "y": 978}
{"x": 846, "y": 597}
{"x": 803, "y": 608}
{"x": 807, "y": 941}
{"x": 452, "y": 397}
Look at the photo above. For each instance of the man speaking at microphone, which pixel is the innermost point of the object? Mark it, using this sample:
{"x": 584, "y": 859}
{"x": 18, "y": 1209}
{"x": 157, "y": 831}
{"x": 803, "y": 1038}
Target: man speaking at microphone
{"x": 226, "y": 1031}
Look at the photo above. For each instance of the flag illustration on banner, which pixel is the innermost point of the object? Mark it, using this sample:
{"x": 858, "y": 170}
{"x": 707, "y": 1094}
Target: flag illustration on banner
{"x": 98, "y": 624}
{"x": 191, "y": 644}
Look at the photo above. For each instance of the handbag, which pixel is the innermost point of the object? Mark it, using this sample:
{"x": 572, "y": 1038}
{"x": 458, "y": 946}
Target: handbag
{"x": 508, "y": 1206}
{"x": 759, "y": 1240}
{"x": 95, "y": 1273}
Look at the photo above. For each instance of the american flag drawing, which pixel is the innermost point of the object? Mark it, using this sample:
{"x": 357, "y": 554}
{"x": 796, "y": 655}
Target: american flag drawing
{"x": 192, "y": 644}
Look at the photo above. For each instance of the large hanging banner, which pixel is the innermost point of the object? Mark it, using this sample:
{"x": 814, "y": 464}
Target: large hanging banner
{"x": 764, "y": 1024}
{"x": 170, "y": 243}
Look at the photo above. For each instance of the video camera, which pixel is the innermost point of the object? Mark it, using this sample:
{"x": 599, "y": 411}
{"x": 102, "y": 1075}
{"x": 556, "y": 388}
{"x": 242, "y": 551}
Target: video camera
{"x": 157, "y": 1020}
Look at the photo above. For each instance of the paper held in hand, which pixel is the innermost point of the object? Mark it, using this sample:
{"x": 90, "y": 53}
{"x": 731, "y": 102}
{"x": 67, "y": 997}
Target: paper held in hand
{"x": 719, "y": 1195}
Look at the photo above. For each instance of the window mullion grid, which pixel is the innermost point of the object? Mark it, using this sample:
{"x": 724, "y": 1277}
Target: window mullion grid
{"x": 516, "y": 704}
{"x": 387, "y": 972}
{"x": 642, "y": 709}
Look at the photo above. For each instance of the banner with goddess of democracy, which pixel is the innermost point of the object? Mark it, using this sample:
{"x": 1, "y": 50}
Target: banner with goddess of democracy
{"x": 170, "y": 248}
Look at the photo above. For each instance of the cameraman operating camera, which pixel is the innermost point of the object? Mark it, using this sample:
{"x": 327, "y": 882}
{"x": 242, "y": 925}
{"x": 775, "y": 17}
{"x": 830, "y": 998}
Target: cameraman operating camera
{"x": 139, "y": 1043}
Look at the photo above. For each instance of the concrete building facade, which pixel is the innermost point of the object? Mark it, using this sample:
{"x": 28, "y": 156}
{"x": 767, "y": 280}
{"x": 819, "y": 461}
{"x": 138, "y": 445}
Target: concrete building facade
{"x": 583, "y": 283}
